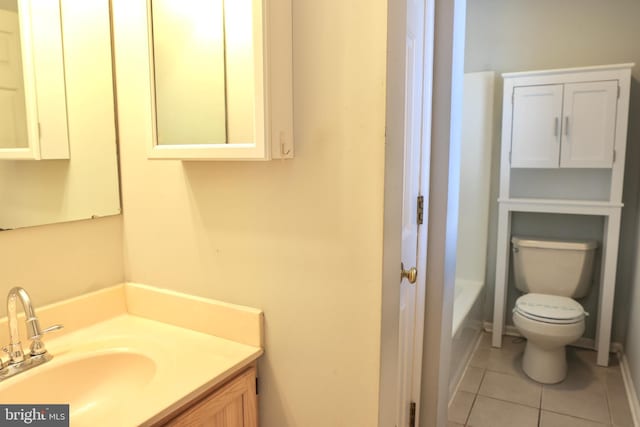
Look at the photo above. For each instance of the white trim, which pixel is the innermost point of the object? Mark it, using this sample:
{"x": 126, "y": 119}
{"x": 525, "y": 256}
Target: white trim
{"x": 630, "y": 387}
{"x": 569, "y": 70}
{"x": 448, "y": 79}
{"x": 467, "y": 361}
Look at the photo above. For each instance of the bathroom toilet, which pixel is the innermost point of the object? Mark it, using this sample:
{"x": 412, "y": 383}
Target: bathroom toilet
{"x": 550, "y": 273}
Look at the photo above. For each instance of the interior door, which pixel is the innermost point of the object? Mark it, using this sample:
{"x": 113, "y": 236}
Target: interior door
{"x": 589, "y": 124}
{"x": 13, "y": 126}
{"x": 535, "y": 130}
{"x": 412, "y": 282}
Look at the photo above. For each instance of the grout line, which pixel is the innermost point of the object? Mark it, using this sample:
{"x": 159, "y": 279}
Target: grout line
{"x": 466, "y": 420}
{"x": 509, "y": 401}
{"x": 578, "y": 417}
{"x": 540, "y": 411}
{"x": 608, "y": 399}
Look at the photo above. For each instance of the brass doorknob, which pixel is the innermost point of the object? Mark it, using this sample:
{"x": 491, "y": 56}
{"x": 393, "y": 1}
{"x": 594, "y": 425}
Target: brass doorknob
{"x": 411, "y": 275}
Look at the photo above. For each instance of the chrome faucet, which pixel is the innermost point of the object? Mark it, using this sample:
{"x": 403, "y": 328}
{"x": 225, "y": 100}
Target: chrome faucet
{"x": 18, "y": 361}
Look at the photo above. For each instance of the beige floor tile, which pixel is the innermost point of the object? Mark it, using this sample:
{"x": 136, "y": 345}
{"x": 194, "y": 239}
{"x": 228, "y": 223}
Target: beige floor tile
{"x": 485, "y": 340}
{"x": 551, "y": 419}
{"x": 461, "y": 406}
{"x": 505, "y": 361}
{"x": 618, "y": 401}
{"x": 498, "y": 360}
{"x": 583, "y": 362}
{"x": 516, "y": 344}
{"x": 452, "y": 424}
{"x": 511, "y": 388}
{"x": 509, "y": 343}
{"x": 471, "y": 380}
{"x": 577, "y": 397}
{"x": 488, "y": 412}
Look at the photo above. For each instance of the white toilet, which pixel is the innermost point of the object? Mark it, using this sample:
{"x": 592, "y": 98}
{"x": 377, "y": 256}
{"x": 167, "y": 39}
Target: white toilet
{"x": 551, "y": 273}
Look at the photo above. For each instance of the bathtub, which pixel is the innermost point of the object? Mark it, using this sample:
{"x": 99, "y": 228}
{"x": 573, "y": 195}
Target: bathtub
{"x": 476, "y": 148}
{"x": 467, "y": 327}
{"x": 467, "y": 293}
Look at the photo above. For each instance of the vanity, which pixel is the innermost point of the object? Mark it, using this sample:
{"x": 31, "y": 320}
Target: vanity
{"x": 136, "y": 355}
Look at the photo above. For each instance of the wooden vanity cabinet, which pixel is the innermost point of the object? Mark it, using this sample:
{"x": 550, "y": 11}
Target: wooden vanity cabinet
{"x": 234, "y": 404}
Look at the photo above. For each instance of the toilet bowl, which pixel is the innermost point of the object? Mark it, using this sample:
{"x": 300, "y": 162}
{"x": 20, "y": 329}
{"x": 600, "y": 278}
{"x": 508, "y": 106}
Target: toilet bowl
{"x": 549, "y": 323}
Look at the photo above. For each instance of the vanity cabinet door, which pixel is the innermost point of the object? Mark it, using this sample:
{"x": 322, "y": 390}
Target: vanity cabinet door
{"x": 535, "y": 127}
{"x": 232, "y": 405}
{"x": 589, "y": 124}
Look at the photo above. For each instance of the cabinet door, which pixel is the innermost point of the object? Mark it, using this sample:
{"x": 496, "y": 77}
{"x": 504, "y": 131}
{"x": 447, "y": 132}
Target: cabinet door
{"x": 233, "y": 405}
{"x": 535, "y": 130}
{"x": 589, "y": 124}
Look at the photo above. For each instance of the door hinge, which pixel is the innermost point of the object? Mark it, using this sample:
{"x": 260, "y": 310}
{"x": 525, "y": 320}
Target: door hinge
{"x": 509, "y": 157}
{"x": 513, "y": 96}
{"x": 412, "y": 414}
{"x": 618, "y": 92}
{"x": 614, "y": 156}
{"x": 420, "y": 210}
{"x": 256, "y": 386}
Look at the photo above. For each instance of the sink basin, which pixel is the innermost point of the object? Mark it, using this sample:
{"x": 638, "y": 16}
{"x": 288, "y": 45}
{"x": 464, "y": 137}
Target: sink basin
{"x": 94, "y": 381}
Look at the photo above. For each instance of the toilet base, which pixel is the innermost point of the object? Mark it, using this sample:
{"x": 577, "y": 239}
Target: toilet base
{"x": 546, "y": 366}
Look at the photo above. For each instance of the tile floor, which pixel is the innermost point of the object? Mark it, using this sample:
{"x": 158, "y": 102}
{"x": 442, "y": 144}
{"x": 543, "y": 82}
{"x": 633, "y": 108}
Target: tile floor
{"x": 494, "y": 392}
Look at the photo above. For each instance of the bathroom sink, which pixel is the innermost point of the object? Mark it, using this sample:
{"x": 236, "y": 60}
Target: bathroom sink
{"x": 127, "y": 371}
{"x": 89, "y": 382}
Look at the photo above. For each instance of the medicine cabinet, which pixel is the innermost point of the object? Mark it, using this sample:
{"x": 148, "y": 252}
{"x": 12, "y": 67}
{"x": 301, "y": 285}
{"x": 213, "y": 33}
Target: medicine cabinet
{"x": 220, "y": 79}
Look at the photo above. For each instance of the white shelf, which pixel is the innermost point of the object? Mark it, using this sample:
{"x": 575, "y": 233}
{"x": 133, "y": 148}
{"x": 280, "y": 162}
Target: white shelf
{"x": 579, "y": 207}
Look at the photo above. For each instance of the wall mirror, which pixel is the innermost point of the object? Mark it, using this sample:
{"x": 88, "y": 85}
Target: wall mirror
{"x": 220, "y": 84}
{"x": 58, "y": 153}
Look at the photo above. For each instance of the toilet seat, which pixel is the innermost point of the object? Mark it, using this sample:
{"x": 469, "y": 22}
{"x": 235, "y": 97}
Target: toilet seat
{"x": 552, "y": 309}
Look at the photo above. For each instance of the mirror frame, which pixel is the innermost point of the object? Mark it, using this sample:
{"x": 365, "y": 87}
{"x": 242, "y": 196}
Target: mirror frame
{"x": 273, "y": 120}
{"x": 44, "y": 86}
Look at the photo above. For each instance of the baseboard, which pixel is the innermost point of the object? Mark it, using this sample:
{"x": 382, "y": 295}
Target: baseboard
{"x": 634, "y": 403}
{"x": 586, "y": 343}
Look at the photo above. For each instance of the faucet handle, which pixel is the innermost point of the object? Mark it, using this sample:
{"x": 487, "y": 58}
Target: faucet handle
{"x": 41, "y": 332}
{"x": 52, "y": 328}
{"x": 15, "y": 352}
{"x": 37, "y": 346}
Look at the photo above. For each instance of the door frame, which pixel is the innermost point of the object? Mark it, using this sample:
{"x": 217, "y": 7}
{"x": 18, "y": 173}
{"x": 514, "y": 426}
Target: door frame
{"x": 446, "y": 37}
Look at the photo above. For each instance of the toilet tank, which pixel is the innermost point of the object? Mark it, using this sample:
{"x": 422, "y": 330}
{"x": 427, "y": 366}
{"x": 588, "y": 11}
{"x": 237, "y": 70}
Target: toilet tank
{"x": 554, "y": 267}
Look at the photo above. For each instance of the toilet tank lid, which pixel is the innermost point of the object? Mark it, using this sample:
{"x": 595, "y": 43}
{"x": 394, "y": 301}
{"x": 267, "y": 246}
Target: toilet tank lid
{"x": 533, "y": 242}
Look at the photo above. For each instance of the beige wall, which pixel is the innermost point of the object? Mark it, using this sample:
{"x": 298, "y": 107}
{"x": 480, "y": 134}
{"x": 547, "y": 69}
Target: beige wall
{"x": 506, "y": 35}
{"x": 300, "y": 239}
{"x": 55, "y": 262}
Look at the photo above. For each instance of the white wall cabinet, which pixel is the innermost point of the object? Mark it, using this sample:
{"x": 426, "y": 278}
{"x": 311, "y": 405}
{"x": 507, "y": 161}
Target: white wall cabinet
{"x": 573, "y": 121}
{"x": 568, "y": 125}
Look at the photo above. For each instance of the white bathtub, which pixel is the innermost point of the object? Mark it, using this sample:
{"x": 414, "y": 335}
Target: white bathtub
{"x": 467, "y": 326}
{"x": 467, "y": 292}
